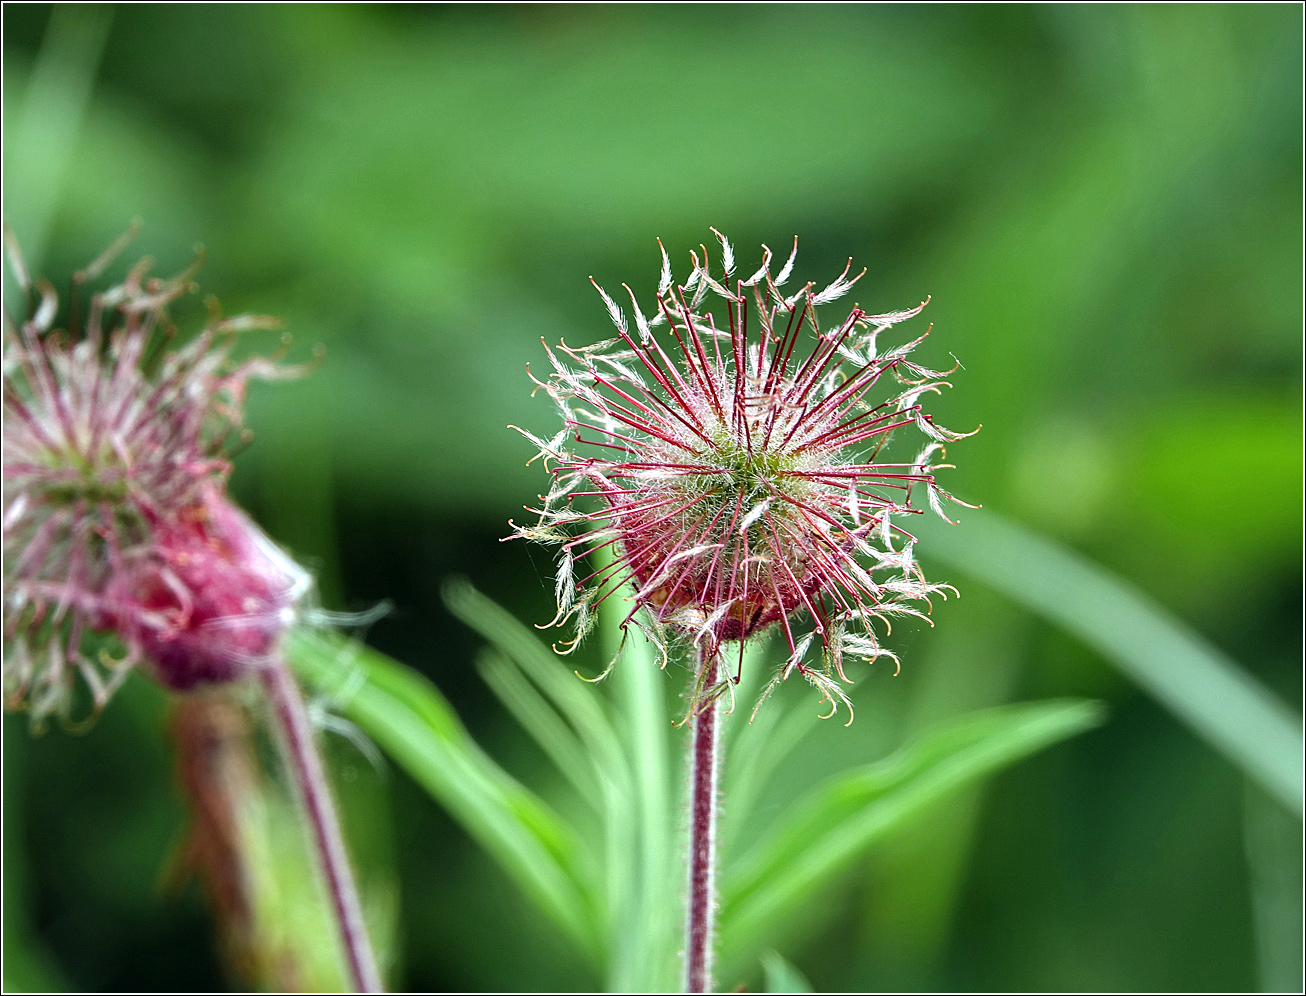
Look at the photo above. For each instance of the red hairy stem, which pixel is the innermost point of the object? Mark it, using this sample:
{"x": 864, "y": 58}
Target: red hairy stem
{"x": 704, "y": 772}
{"x": 315, "y": 795}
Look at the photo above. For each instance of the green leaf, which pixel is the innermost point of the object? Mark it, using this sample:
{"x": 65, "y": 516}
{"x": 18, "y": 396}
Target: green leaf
{"x": 45, "y": 132}
{"x": 782, "y": 977}
{"x": 850, "y": 811}
{"x": 577, "y": 702}
{"x": 27, "y": 966}
{"x": 541, "y": 721}
{"x": 645, "y": 929}
{"x": 1220, "y": 701}
{"x": 756, "y": 754}
{"x": 577, "y": 709}
{"x": 412, "y": 722}
{"x": 1273, "y": 839}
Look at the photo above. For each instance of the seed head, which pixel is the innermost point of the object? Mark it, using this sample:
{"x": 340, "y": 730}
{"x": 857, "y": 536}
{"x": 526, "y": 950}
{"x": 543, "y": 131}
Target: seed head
{"x": 727, "y": 451}
{"x": 116, "y": 517}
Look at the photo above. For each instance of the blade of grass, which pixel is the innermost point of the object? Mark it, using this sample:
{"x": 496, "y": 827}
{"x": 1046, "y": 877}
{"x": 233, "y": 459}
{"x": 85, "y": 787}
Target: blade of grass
{"x": 757, "y": 752}
{"x": 574, "y": 699}
{"x": 412, "y": 722}
{"x": 1220, "y": 701}
{"x": 585, "y": 709}
{"x": 644, "y": 957}
{"x": 45, "y": 132}
{"x": 541, "y": 721}
{"x": 846, "y": 814}
{"x": 1273, "y": 842}
{"x": 762, "y": 740}
{"x": 782, "y": 977}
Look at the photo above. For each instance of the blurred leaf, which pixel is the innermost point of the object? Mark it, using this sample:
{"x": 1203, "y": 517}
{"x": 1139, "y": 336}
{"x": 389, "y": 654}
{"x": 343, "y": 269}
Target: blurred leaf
{"x": 408, "y": 717}
{"x": 45, "y": 132}
{"x": 28, "y": 967}
{"x": 245, "y": 844}
{"x": 841, "y": 818}
{"x": 782, "y": 977}
{"x": 757, "y": 752}
{"x": 630, "y": 796}
{"x": 1274, "y": 856}
{"x": 584, "y": 710}
{"x": 1214, "y": 431}
{"x": 572, "y": 135}
{"x": 646, "y": 931}
{"x": 918, "y": 876}
{"x": 1220, "y": 701}
{"x": 541, "y": 721}
{"x": 293, "y": 931}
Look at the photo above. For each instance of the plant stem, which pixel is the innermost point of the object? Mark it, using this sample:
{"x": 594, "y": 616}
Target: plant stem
{"x": 704, "y": 771}
{"x": 315, "y": 795}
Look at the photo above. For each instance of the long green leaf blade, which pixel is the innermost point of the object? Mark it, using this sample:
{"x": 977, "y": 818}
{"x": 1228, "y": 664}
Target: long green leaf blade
{"x": 580, "y": 707}
{"x": 412, "y": 722}
{"x": 841, "y": 818}
{"x": 577, "y": 702}
{"x": 645, "y": 939}
{"x": 782, "y": 977}
{"x": 761, "y": 746}
{"x": 1201, "y": 685}
{"x": 539, "y": 719}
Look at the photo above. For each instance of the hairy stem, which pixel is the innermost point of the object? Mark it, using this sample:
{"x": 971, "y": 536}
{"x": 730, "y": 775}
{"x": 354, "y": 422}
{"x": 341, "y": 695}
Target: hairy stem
{"x": 704, "y": 770}
{"x": 315, "y": 795}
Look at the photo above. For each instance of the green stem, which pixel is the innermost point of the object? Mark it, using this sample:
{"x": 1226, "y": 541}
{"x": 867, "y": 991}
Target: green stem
{"x": 315, "y": 795}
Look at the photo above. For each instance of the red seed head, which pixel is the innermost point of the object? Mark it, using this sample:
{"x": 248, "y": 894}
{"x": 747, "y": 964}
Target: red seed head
{"x": 727, "y": 450}
{"x": 116, "y": 517}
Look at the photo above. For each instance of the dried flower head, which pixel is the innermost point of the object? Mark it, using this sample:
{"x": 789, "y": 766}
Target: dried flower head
{"x": 116, "y": 516}
{"x": 734, "y": 472}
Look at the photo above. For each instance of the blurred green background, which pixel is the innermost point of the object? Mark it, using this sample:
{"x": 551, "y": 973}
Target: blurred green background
{"x": 1103, "y": 202}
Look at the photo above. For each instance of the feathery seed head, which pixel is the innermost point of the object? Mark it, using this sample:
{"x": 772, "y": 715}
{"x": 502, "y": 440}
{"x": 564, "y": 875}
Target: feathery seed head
{"x": 116, "y": 517}
{"x": 726, "y": 451}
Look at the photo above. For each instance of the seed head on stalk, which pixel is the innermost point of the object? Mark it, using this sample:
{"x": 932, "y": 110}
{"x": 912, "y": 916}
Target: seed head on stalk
{"x": 116, "y": 520}
{"x": 727, "y": 451}
{"x": 116, "y": 516}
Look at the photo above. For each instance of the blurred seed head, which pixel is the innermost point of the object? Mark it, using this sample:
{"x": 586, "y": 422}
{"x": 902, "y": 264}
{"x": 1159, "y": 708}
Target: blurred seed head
{"x": 727, "y": 450}
{"x": 116, "y": 515}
